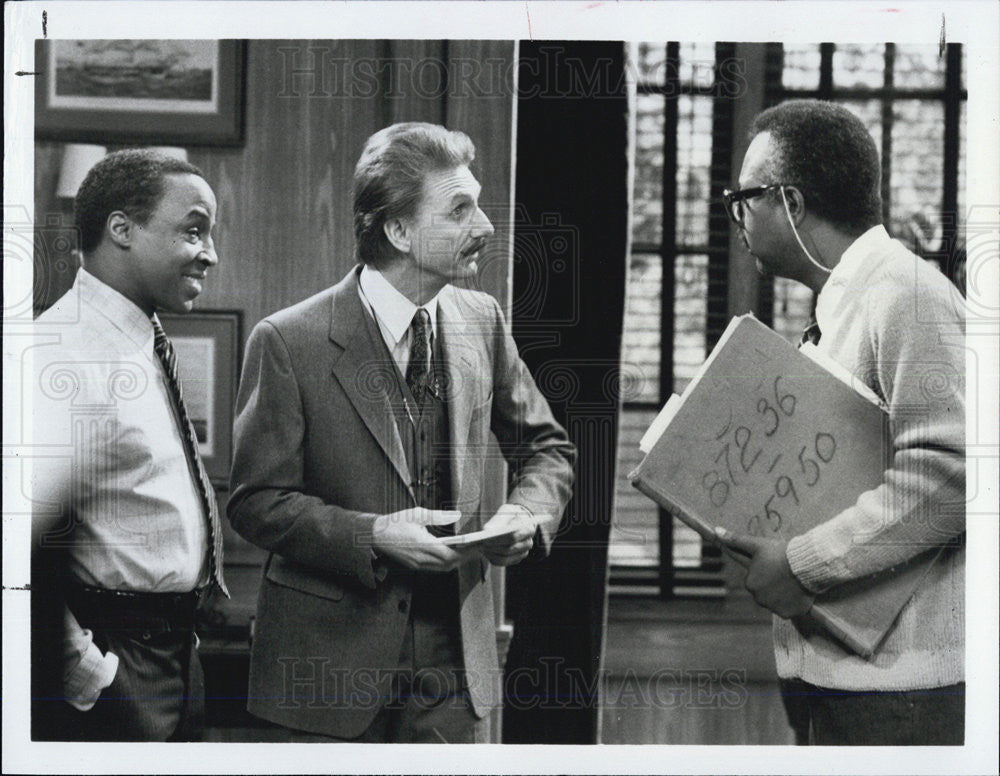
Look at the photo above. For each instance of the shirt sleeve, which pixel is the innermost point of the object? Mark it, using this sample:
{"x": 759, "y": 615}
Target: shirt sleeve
{"x": 86, "y": 670}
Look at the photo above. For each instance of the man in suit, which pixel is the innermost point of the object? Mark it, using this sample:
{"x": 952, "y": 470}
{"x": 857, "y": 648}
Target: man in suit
{"x": 128, "y": 503}
{"x": 809, "y": 208}
{"x": 361, "y": 438}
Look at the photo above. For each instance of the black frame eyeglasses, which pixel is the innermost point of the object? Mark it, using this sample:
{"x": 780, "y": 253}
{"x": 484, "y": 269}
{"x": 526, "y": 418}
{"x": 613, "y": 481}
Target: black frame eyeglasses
{"x": 734, "y": 200}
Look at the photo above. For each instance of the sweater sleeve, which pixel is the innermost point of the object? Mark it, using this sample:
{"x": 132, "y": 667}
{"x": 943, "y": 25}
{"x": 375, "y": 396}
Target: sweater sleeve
{"x": 916, "y": 337}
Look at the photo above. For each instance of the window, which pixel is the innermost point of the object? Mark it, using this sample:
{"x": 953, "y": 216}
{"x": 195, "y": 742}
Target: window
{"x": 676, "y": 295}
{"x": 687, "y": 99}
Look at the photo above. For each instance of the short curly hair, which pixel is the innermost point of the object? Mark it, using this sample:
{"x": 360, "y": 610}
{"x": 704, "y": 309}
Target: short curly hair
{"x": 389, "y": 178}
{"x": 130, "y": 181}
{"x": 826, "y": 152}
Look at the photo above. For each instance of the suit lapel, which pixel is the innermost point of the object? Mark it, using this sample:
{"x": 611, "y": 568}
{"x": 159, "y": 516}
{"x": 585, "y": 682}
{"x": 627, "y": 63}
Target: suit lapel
{"x": 459, "y": 349}
{"x": 364, "y": 374}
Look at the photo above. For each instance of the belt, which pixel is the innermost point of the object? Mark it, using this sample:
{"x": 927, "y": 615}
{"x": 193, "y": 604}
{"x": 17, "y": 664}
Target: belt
{"x": 96, "y": 607}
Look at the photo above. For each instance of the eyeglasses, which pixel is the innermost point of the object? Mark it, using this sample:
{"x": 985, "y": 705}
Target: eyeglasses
{"x": 734, "y": 200}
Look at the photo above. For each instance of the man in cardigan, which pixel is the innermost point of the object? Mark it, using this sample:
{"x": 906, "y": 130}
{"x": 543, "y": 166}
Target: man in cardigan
{"x": 809, "y": 208}
{"x": 361, "y": 436}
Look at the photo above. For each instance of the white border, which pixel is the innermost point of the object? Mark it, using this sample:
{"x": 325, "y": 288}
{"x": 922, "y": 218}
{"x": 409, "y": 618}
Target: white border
{"x": 973, "y": 23}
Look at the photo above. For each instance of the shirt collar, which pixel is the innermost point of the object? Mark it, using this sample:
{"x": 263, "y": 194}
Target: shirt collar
{"x": 855, "y": 259}
{"x": 393, "y": 310}
{"x": 119, "y": 310}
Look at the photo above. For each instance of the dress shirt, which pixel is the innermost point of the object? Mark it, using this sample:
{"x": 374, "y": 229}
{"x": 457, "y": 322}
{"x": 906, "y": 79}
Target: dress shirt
{"x": 394, "y": 313}
{"x": 103, "y": 398}
{"x": 116, "y": 463}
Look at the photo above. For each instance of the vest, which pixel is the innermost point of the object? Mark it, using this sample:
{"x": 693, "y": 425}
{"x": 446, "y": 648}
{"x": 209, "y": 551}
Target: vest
{"x": 424, "y": 434}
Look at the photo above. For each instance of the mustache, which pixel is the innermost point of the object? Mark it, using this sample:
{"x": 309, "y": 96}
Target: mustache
{"x": 478, "y": 244}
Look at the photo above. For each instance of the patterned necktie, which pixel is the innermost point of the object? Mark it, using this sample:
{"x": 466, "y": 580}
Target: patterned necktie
{"x": 419, "y": 366}
{"x": 811, "y": 333}
{"x": 168, "y": 358}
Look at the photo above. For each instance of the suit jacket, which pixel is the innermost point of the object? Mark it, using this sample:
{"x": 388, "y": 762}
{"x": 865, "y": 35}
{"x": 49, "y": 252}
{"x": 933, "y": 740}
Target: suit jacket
{"x": 317, "y": 457}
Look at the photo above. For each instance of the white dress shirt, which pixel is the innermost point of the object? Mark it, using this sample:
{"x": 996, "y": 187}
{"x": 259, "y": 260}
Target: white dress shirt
{"x": 393, "y": 312}
{"x": 114, "y": 460}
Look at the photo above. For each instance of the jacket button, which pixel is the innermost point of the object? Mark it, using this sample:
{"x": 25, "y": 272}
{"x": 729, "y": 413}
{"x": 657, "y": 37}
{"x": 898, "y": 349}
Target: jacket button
{"x": 146, "y": 635}
{"x": 403, "y": 606}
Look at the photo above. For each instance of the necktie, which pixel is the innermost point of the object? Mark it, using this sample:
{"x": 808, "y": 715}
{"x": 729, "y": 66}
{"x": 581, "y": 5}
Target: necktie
{"x": 168, "y": 358}
{"x": 419, "y": 366}
{"x": 811, "y": 333}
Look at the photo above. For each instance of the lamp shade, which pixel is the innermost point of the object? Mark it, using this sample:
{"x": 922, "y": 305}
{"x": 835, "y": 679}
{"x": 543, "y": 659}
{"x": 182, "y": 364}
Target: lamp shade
{"x": 76, "y": 163}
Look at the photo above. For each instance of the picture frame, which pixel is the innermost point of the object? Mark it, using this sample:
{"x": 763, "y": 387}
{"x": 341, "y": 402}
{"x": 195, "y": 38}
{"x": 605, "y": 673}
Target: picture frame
{"x": 146, "y": 92}
{"x": 208, "y": 344}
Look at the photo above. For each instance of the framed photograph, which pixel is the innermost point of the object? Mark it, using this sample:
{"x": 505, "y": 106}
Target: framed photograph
{"x": 207, "y": 343}
{"x": 157, "y": 92}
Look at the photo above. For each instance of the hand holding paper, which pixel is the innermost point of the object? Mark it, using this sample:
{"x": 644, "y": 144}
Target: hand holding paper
{"x": 404, "y": 537}
{"x": 506, "y": 539}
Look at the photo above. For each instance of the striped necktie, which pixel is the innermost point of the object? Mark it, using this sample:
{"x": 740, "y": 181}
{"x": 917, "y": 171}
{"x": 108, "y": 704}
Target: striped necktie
{"x": 168, "y": 358}
{"x": 419, "y": 366}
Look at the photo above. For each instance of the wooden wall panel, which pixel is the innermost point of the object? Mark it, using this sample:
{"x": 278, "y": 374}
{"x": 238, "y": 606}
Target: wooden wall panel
{"x": 285, "y": 228}
{"x": 415, "y": 77}
{"x": 481, "y": 104}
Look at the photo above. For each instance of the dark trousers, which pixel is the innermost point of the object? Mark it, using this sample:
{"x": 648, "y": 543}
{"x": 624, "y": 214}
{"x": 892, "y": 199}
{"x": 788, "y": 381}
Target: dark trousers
{"x": 827, "y": 717}
{"x": 158, "y": 693}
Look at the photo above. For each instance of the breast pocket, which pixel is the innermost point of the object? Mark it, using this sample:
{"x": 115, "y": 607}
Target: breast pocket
{"x": 304, "y": 579}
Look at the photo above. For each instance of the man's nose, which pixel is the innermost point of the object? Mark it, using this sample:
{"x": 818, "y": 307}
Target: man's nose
{"x": 208, "y": 254}
{"x": 483, "y": 226}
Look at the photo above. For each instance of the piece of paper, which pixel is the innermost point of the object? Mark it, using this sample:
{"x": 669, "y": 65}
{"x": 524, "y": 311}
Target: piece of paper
{"x": 660, "y": 423}
{"x": 476, "y": 538}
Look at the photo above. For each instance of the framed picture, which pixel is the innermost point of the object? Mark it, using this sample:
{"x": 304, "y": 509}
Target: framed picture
{"x": 154, "y": 92}
{"x": 207, "y": 343}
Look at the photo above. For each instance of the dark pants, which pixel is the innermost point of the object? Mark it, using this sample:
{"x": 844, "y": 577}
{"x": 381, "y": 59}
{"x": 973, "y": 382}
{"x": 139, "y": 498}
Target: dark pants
{"x": 158, "y": 693}
{"x": 827, "y": 717}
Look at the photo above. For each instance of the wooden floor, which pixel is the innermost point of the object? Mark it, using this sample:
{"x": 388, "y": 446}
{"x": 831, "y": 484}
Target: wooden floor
{"x": 687, "y": 714}
{"x": 691, "y": 672}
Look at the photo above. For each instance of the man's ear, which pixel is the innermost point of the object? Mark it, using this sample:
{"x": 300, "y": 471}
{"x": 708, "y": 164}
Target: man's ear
{"x": 121, "y": 229}
{"x": 796, "y": 204}
{"x": 398, "y": 234}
